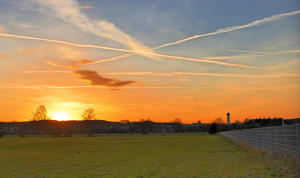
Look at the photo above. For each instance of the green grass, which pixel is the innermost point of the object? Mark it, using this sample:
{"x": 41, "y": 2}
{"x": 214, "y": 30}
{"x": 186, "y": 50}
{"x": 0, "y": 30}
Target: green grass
{"x": 129, "y": 155}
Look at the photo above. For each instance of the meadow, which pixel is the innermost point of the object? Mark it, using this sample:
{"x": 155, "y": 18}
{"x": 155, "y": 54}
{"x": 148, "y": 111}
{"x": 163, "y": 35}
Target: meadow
{"x": 129, "y": 155}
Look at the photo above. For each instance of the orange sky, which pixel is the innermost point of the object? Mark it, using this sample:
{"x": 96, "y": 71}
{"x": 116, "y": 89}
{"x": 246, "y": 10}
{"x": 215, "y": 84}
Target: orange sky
{"x": 76, "y": 59}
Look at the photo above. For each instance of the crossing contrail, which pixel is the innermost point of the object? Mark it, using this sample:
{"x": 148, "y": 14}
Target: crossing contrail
{"x": 151, "y": 54}
{"x": 233, "y": 28}
{"x": 65, "y": 42}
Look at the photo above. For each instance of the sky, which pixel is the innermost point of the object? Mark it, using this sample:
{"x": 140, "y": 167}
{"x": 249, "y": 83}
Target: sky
{"x": 159, "y": 60}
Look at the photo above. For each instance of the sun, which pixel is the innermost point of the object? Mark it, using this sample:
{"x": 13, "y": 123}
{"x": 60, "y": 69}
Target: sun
{"x": 61, "y": 116}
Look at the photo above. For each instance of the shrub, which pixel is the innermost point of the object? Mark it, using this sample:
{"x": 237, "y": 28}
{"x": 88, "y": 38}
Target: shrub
{"x": 1, "y": 133}
{"x": 212, "y": 128}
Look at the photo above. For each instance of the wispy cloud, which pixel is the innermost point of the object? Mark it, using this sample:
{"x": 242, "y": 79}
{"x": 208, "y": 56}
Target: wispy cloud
{"x": 233, "y": 28}
{"x": 71, "y": 65}
{"x": 86, "y": 7}
{"x": 2, "y": 55}
{"x": 97, "y": 79}
{"x": 224, "y": 30}
{"x": 69, "y": 11}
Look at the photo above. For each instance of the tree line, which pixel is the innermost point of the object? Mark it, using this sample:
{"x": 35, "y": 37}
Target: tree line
{"x": 42, "y": 125}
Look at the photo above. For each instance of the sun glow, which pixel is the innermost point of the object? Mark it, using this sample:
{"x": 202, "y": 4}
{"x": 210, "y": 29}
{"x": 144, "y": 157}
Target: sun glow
{"x": 61, "y": 116}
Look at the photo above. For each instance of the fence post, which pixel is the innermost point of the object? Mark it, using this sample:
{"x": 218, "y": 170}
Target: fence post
{"x": 284, "y": 149}
{"x": 259, "y": 136}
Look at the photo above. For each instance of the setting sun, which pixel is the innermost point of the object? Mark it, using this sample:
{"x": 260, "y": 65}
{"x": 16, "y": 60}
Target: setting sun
{"x": 61, "y": 116}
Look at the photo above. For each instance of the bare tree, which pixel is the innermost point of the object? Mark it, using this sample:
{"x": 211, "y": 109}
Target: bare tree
{"x": 177, "y": 120}
{"x": 218, "y": 121}
{"x": 89, "y": 114}
{"x": 40, "y": 113}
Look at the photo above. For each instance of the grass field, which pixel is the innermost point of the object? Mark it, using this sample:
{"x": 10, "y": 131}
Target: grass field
{"x": 128, "y": 155}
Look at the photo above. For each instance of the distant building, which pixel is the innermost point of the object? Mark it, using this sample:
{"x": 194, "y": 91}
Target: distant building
{"x": 228, "y": 118}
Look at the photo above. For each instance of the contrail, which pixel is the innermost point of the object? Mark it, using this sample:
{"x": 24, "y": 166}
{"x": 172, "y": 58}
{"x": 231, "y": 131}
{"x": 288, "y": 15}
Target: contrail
{"x": 233, "y": 28}
{"x": 122, "y": 50}
{"x": 172, "y": 74}
{"x": 149, "y": 53}
{"x": 46, "y": 71}
{"x": 65, "y": 43}
{"x": 112, "y": 59}
{"x": 206, "y": 61}
{"x": 201, "y": 60}
{"x": 256, "y": 54}
{"x": 132, "y": 52}
{"x": 231, "y": 75}
{"x": 137, "y": 87}
{"x": 225, "y": 30}
{"x": 69, "y": 11}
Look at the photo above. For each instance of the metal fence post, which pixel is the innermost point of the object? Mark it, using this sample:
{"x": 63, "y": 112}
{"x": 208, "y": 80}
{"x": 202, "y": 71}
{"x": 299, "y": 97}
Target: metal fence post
{"x": 259, "y": 136}
{"x": 284, "y": 149}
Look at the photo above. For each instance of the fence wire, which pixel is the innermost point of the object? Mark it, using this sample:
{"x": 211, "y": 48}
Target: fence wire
{"x": 281, "y": 139}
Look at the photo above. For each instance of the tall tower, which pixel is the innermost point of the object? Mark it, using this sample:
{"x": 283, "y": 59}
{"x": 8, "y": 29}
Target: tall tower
{"x": 228, "y": 118}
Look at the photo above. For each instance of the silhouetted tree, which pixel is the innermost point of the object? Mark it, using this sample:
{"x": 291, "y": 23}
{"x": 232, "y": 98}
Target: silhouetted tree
{"x": 146, "y": 126}
{"x": 177, "y": 120}
{"x": 40, "y": 113}
{"x": 218, "y": 121}
{"x": 89, "y": 114}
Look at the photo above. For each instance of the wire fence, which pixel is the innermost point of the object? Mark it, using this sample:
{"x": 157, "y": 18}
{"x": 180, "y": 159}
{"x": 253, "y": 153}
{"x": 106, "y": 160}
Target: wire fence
{"x": 281, "y": 139}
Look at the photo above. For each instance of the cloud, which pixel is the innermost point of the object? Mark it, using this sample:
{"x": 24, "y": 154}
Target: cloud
{"x": 97, "y": 79}
{"x": 69, "y": 11}
{"x": 72, "y": 64}
{"x": 2, "y": 55}
{"x": 290, "y": 65}
{"x": 233, "y": 28}
{"x": 86, "y": 7}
